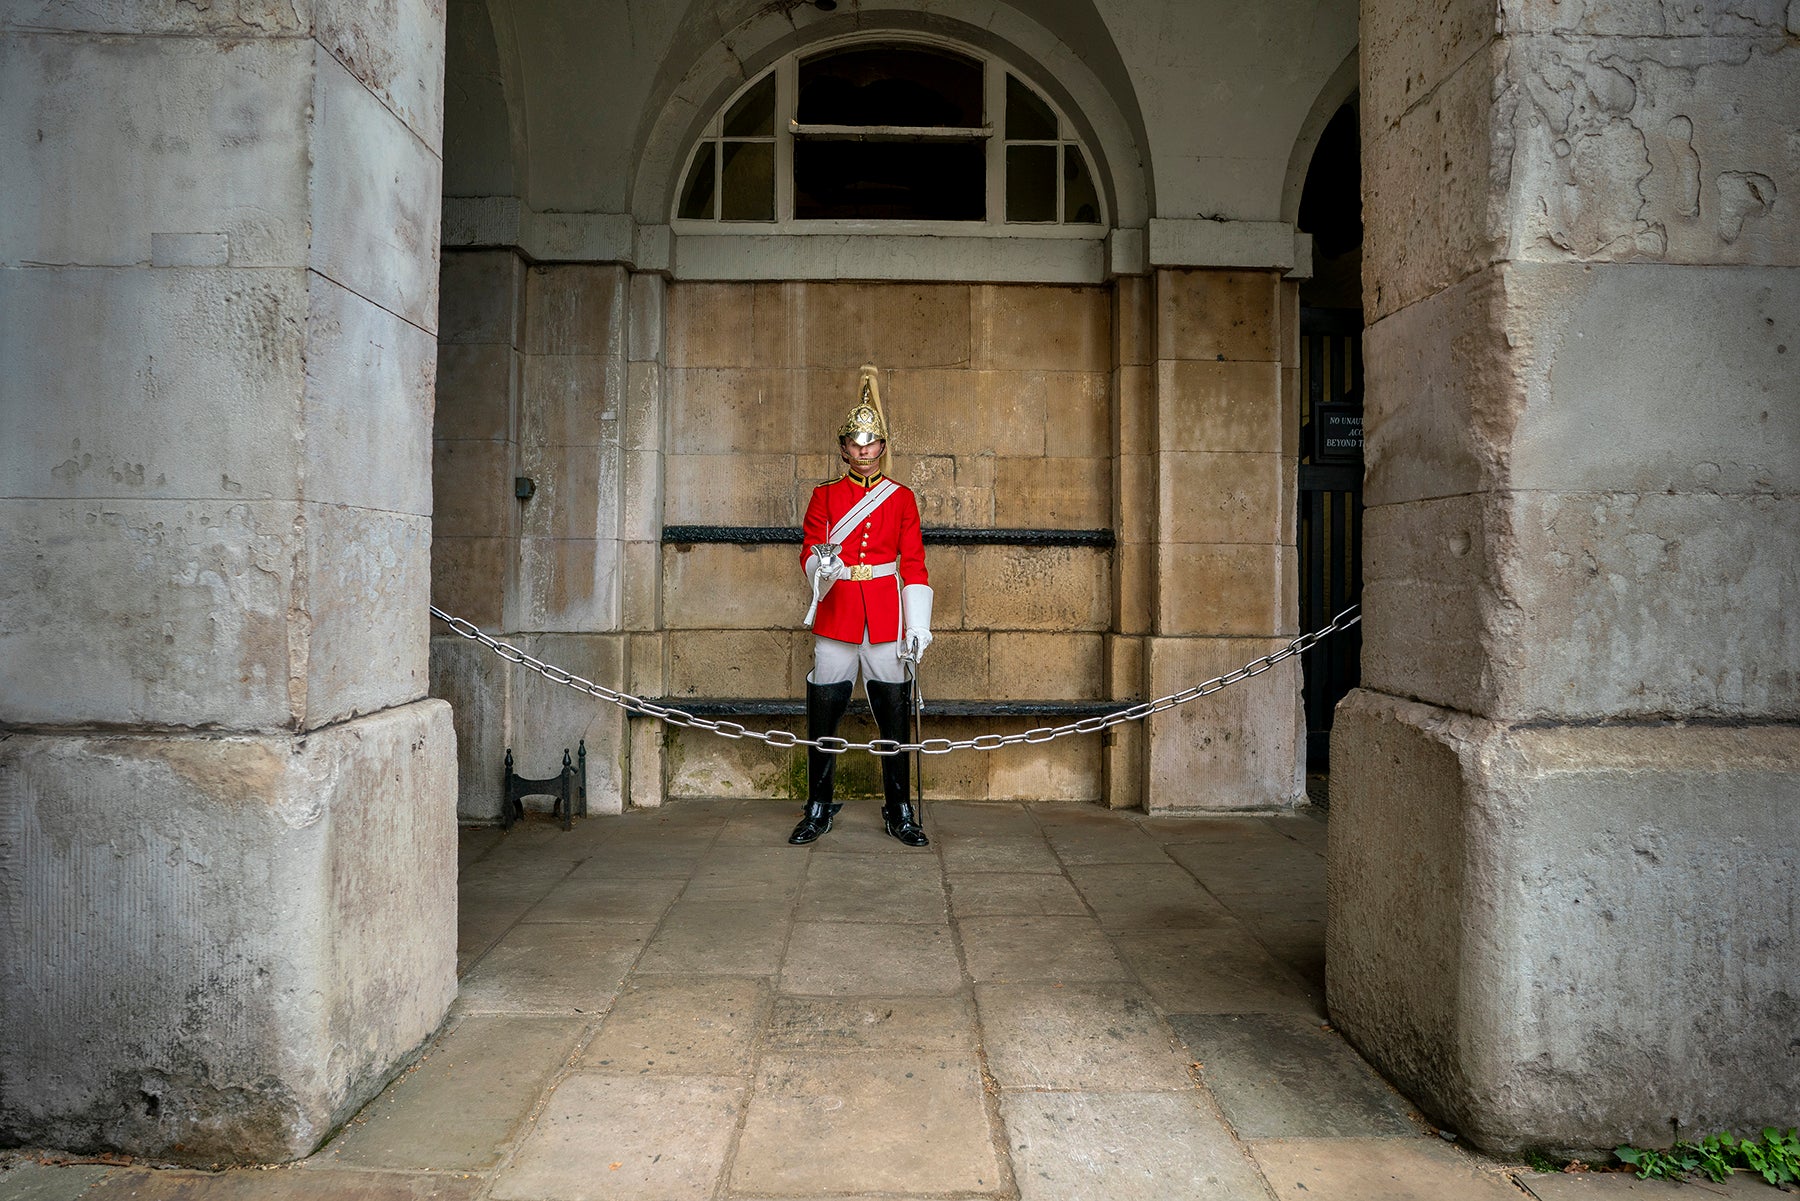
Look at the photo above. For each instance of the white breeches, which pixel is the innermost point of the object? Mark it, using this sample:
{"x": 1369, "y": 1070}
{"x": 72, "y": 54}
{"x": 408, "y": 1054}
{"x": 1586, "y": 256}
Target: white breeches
{"x": 834, "y": 661}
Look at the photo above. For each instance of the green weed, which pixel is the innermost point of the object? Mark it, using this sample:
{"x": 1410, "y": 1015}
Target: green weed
{"x": 1775, "y": 1157}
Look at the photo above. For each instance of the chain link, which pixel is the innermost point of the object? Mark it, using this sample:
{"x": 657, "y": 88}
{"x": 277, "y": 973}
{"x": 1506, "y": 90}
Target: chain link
{"x": 887, "y": 746}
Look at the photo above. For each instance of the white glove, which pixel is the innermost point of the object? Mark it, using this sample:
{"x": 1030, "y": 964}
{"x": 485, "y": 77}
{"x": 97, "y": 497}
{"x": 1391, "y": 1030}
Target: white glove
{"x": 822, "y": 573}
{"x": 915, "y": 603}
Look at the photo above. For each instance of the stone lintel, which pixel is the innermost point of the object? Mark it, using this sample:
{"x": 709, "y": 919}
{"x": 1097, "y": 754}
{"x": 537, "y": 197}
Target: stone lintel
{"x": 1564, "y": 936}
{"x": 1210, "y": 242}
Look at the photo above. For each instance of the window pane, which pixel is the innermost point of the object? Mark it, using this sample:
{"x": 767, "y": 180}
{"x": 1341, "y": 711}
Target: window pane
{"x": 1028, "y": 118}
{"x": 890, "y": 85}
{"x": 697, "y": 192}
{"x": 747, "y": 184}
{"x": 890, "y": 181}
{"x": 1081, "y": 203}
{"x": 1031, "y": 183}
{"x": 754, "y": 113}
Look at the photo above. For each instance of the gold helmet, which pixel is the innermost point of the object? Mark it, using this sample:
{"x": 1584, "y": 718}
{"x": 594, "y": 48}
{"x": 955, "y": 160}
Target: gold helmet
{"x": 866, "y": 424}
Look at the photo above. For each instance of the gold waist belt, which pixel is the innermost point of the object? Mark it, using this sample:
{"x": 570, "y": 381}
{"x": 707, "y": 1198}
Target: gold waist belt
{"x": 869, "y": 571}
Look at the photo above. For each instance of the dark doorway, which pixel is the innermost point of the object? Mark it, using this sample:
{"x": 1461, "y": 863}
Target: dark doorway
{"x": 1331, "y": 411}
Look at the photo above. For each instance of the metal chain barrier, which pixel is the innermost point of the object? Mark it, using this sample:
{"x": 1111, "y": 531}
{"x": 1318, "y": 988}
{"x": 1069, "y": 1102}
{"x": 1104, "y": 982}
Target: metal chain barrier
{"x": 888, "y": 746}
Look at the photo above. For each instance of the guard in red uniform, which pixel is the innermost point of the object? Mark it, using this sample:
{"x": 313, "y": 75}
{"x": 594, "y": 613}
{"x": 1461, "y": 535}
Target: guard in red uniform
{"x": 871, "y": 606}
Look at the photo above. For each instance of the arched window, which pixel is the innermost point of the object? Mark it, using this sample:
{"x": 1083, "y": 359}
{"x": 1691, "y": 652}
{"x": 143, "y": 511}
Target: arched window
{"x": 889, "y": 135}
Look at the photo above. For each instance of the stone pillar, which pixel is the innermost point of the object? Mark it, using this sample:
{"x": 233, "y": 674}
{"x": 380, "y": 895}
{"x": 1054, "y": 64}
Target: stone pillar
{"x": 1134, "y": 527}
{"x": 1225, "y": 584}
{"x": 1565, "y": 836}
{"x": 227, "y": 845}
{"x": 641, "y": 608}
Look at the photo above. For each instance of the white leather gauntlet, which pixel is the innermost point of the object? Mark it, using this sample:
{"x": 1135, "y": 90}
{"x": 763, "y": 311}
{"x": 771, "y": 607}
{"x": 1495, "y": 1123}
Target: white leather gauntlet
{"x": 915, "y": 604}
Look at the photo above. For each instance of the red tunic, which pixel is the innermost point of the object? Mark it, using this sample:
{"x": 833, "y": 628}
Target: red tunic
{"x": 890, "y": 533}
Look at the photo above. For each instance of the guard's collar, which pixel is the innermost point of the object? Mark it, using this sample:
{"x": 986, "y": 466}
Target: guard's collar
{"x": 862, "y": 482}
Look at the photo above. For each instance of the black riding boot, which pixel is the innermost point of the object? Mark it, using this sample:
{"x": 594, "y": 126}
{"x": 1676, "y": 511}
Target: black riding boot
{"x": 892, "y": 705}
{"x": 825, "y": 705}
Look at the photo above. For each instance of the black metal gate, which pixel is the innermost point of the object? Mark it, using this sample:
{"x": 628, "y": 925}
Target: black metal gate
{"x": 1330, "y": 533}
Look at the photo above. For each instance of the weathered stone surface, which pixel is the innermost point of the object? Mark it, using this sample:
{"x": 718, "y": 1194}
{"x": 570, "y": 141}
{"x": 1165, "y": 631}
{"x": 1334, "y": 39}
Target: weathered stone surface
{"x": 1053, "y": 493}
{"x": 841, "y": 324}
{"x": 720, "y": 586}
{"x": 988, "y": 894}
{"x": 146, "y": 645}
{"x": 351, "y": 827}
{"x": 1010, "y": 949}
{"x": 1041, "y": 329}
{"x": 79, "y": 109}
{"x": 1122, "y": 1147}
{"x": 575, "y": 309}
{"x": 1218, "y": 315}
{"x": 374, "y": 191}
{"x": 209, "y": 422}
{"x": 720, "y": 489}
{"x": 668, "y": 1136}
{"x": 367, "y": 634}
{"x": 1650, "y": 584}
{"x": 1067, "y": 769}
{"x": 571, "y": 400}
{"x": 396, "y": 51}
{"x": 1285, "y": 1076}
{"x": 716, "y": 939}
{"x": 880, "y": 959}
{"x": 1420, "y": 1169}
{"x": 472, "y": 489}
{"x": 1582, "y": 845}
{"x": 1034, "y": 588}
{"x": 1078, "y": 415}
{"x": 1431, "y": 178}
{"x": 1214, "y": 970}
{"x": 567, "y": 584}
{"x": 470, "y": 576}
{"x": 1220, "y": 406}
{"x": 1145, "y": 895}
{"x": 482, "y": 298}
{"x": 667, "y": 1026}
{"x": 1240, "y": 590}
{"x": 1237, "y": 749}
{"x": 908, "y": 1025}
{"x": 1204, "y": 496}
{"x": 548, "y": 967}
{"x": 463, "y": 1103}
{"x": 894, "y": 1120}
{"x": 1099, "y": 1037}
{"x": 864, "y": 888}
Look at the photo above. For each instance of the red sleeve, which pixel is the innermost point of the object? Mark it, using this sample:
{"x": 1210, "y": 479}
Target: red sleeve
{"x": 817, "y": 524}
{"x": 912, "y": 546}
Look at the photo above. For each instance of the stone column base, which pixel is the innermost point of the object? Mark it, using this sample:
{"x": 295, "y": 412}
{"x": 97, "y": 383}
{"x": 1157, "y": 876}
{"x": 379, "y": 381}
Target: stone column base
{"x": 1239, "y": 750}
{"x": 219, "y": 948}
{"x": 1568, "y": 937}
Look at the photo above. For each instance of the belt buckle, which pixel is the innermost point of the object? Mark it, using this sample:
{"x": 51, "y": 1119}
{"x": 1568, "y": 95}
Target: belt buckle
{"x": 862, "y": 571}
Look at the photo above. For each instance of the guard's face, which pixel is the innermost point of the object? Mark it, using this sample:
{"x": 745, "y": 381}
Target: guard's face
{"x": 862, "y": 459}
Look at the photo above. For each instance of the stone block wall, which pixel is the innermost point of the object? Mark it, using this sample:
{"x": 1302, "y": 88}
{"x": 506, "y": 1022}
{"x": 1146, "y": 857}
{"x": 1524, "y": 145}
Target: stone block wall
{"x": 1153, "y": 408}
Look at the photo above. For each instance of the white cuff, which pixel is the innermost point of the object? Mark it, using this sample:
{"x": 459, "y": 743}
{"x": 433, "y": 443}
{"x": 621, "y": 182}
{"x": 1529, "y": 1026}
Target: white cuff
{"x": 915, "y": 603}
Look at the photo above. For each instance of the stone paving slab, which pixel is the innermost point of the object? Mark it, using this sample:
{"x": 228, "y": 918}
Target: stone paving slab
{"x": 744, "y": 875}
{"x": 717, "y": 939}
{"x": 1211, "y": 829}
{"x": 875, "y": 1122}
{"x": 626, "y": 1138}
{"x": 628, "y": 861}
{"x": 1603, "y": 1186}
{"x": 1289, "y": 1076}
{"x": 1039, "y": 948}
{"x": 1123, "y": 1147}
{"x": 1102, "y": 1037}
{"x": 874, "y": 888}
{"x": 282, "y": 1184}
{"x": 597, "y": 899}
{"x": 981, "y": 819}
{"x": 1355, "y": 1169}
{"x": 26, "y": 1181}
{"x": 870, "y": 959}
{"x": 760, "y": 823}
{"x": 461, "y": 1106}
{"x": 911, "y": 1024}
{"x": 1217, "y": 970}
{"x": 1115, "y": 842}
{"x": 681, "y": 1025}
{"x": 858, "y": 830}
{"x": 1146, "y": 896}
{"x": 550, "y": 967}
{"x": 1003, "y": 894}
{"x": 1027, "y": 853}
{"x": 1269, "y": 868}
